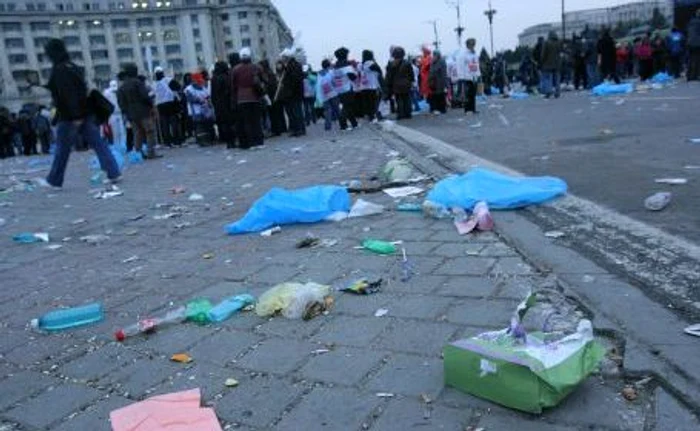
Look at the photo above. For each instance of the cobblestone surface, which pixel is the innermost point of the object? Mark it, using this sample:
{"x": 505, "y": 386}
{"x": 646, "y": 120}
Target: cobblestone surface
{"x": 71, "y": 380}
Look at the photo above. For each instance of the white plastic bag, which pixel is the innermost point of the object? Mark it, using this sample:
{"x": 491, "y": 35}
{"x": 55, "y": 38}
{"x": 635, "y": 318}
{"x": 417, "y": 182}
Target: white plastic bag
{"x": 363, "y": 208}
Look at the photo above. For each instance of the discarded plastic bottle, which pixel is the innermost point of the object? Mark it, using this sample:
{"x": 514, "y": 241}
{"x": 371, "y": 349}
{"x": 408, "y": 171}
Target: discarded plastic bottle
{"x": 197, "y": 311}
{"x": 59, "y": 320}
{"x": 229, "y": 307}
{"x": 149, "y": 325}
{"x": 379, "y": 247}
{"x": 409, "y": 207}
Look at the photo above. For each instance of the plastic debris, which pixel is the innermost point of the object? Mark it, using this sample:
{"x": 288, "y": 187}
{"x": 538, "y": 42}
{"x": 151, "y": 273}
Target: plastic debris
{"x": 167, "y": 216}
{"x": 182, "y": 358}
{"x": 661, "y": 78}
{"x": 110, "y": 192}
{"x": 280, "y": 207}
{"x": 171, "y": 412}
{"x": 78, "y": 221}
{"x": 195, "y": 197}
{"x": 409, "y": 207}
{"x": 228, "y": 307}
{"x": 407, "y": 268}
{"x": 671, "y": 181}
{"x": 133, "y": 258}
{"x": 554, "y": 234}
{"x": 402, "y": 192}
{"x": 208, "y": 256}
{"x": 197, "y": 311}
{"x": 397, "y": 170}
{"x": 379, "y": 247}
{"x": 385, "y": 395}
{"x": 363, "y": 286}
{"x": 231, "y": 383}
{"x": 658, "y": 201}
{"x": 320, "y": 351}
{"x": 150, "y": 325}
{"x": 480, "y": 219}
{"x": 54, "y": 247}
{"x": 381, "y": 312}
{"x": 69, "y": 318}
{"x": 694, "y": 140}
{"x": 608, "y": 89}
{"x": 434, "y": 210}
{"x": 94, "y": 239}
{"x": 292, "y": 300}
{"x": 363, "y": 208}
{"x": 270, "y": 232}
{"x": 135, "y": 157}
{"x": 692, "y": 167}
{"x": 29, "y": 238}
{"x": 629, "y": 393}
{"x": 693, "y": 330}
{"x": 497, "y": 190}
{"x": 476, "y": 125}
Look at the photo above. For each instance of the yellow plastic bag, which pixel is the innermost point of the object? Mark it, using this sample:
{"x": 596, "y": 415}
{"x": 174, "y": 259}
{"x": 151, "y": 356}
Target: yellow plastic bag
{"x": 291, "y": 299}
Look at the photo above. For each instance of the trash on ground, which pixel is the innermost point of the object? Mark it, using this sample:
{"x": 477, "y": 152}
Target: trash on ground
{"x": 182, "y": 358}
{"x": 606, "y": 132}
{"x": 78, "y": 221}
{"x": 437, "y": 211}
{"x": 292, "y": 300}
{"x": 271, "y": 231}
{"x": 385, "y": 395}
{"x": 137, "y": 217}
{"x": 630, "y": 393}
{"x": 177, "y": 411}
{"x": 109, "y": 192}
{"x": 180, "y": 226}
{"x": 167, "y": 216}
{"x": 691, "y": 167}
{"x": 545, "y": 366}
{"x": 497, "y": 190}
{"x": 151, "y": 324}
{"x": 693, "y": 330}
{"x": 694, "y": 140}
{"x": 208, "y": 256}
{"x": 476, "y": 125}
{"x": 402, "y": 192}
{"x": 69, "y": 318}
{"x": 246, "y": 186}
{"x": 554, "y": 234}
{"x": 379, "y": 247}
{"x": 608, "y": 89}
{"x": 397, "y": 170}
{"x": 661, "y": 78}
{"x": 177, "y": 190}
{"x": 409, "y": 207}
{"x": 672, "y": 181}
{"x": 320, "y": 351}
{"x": 381, "y": 312}
{"x": 228, "y": 307}
{"x": 425, "y": 398}
{"x": 658, "y": 201}
{"x": 408, "y": 270}
{"x": 363, "y": 208}
{"x": 280, "y": 207}
{"x": 133, "y": 258}
{"x": 54, "y": 247}
{"x": 195, "y": 197}
{"x": 197, "y": 311}
{"x": 231, "y": 383}
{"x": 309, "y": 241}
{"x": 620, "y": 102}
{"x": 480, "y": 219}
{"x": 363, "y": 286}
{"x": 29, "y": 238}
{"x": 94, "y": 239}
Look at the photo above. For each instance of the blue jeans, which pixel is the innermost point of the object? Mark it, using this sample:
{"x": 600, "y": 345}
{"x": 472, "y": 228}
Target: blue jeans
{"x": 66, "y": 134}
{"x": 415, "y": 98}
{"x": 550, "y": 82}
{"x": 331, "y": 112}
{"x": 592, "y": 72}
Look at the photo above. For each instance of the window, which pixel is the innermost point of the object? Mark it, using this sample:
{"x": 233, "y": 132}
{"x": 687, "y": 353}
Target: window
{"x": 40, "y": 26}
{"x": 59, "y": 6}
{"x": 228, "y": 45}
{"x": 17, "y": 58}
{"x": 45, "y": 74}
{"x": 227, "y": 30}
{"x": 147, "y": 36}
{"x": 144, "y": 22}
{"x": 245, "y": 28}
{"x": 194, "y": 18}
{"x": 97, "y": 39}
{"x": 190, "y": 2}
{"x": 100, "y": 54}
{"x": 245, "y": 42}
{"x": 168, "y": 20}
{"x": 86, "y": 6}
{"x": 154, "y": 50}
{"x": 242, "y": 15}
{"x": 40, "y": 42}
{"x": 11, "y": 26}
{"x": 195, "y": 32}
{"x": 120, "y": 23}
{"x": 122, "y": 38}
{"x": 69, "y": 7}
{"x": 171, "y": 35}
{"x": 172, "y": 49}
{"x": 262, "y": 41}
{"x": 76, "y": 56}
{"x": 15, "y": 42}
{"x": 40, "y": 58}
{"x": 19, "y": 75}
{"x": 71, "y": 40}
{"x": 222, "y": 2}
{"x": 10, "y": 7}
{"x": 261, "y": 28}
{"x": 102, "y": 71}
{"x": 31, "y": 7}
{"x": 124, "y": 53}
{"x": 177, "y": 65}
{"x": 224, "y": 17}
{"x": 259, "y": 14}
{"x": 198, "y": 47}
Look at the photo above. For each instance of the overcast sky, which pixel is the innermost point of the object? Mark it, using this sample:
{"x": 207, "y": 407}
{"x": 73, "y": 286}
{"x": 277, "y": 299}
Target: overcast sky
{"x": 377, "y": 24}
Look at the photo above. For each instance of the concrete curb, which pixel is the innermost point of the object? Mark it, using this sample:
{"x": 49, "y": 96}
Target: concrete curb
{"x": 653, "y": 338}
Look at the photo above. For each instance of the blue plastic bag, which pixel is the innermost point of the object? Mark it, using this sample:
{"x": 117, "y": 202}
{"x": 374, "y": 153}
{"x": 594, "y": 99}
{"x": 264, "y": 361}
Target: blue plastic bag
{"x": 135, "y": 157}
{"x": 497, "y": 190}
{"x": 423, "y": 106}
{"x": 280, "y": 206}
{"x": 118, "y": 157}
{"x": 607, "y": 89}
{"x": 661, "y": 78}
{"x": 518, "y": 95}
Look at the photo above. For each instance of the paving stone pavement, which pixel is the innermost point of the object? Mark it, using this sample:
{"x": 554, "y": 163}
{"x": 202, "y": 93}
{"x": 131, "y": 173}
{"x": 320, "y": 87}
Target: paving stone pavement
{"x": 71, "y": 380}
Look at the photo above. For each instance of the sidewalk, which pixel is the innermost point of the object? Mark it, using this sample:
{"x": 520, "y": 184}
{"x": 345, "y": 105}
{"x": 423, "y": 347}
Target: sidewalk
{"x": 464, "y": 285}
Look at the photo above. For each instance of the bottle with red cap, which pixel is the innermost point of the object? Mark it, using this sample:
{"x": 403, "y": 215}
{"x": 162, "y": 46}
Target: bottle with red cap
{"x": 152, "y": 324}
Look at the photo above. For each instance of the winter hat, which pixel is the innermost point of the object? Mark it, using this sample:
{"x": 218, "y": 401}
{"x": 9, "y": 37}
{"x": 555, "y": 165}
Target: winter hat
{"x": 245, "y": 53}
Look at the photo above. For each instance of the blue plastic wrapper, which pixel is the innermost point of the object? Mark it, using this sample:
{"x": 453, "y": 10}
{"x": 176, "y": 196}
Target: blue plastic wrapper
{"x": 497, "y": 190}
{"x": 118, "y": 157}
{"x": 607, "y": 89}
{"x": 280, "y": 207}
{"x": 661, "y": 78}
{"x": 518, "y": 95}
{"x": 135, "y": 157}
{"x": 423, "y": 106}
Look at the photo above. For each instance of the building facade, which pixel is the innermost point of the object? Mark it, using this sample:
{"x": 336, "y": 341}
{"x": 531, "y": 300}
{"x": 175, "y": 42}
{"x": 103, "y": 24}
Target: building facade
{"x": 576, "y": 21}
{"x": 102, "y": 35}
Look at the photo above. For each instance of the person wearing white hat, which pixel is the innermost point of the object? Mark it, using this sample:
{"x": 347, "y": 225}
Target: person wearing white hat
{"x": 166, "y": 104}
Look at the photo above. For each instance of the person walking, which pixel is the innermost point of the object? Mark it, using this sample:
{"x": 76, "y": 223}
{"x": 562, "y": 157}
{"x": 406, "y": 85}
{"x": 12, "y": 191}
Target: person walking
{"x": 607, "y": 57}
{"x": 425, "y": 63}
{"x": 291, "y": 93}
{"x": 137, "y": 105}
{"x": 247, "y": 92}
{"x": 327, "y": 96}
{"x": 73, "y": 118}
{"x": 343, "y": 75}
{"x": 371, "y": 81}
{"x": 591, "y": 60}
{"x": 551, "y": 64}
{"x": 694, "y": 47}
{"x": 166, "y": 106}
{"x": 399, "y": 80}
{"x": 437, "y": 81}
{"x": 221, "y": 100}
{"x": 116, "y": 120}
{"x": 468, "y": 75}
{"x": 579, "y": 58}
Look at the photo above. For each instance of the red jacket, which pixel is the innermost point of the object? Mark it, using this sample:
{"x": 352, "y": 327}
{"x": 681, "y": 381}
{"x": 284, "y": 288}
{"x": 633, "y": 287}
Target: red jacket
{"x": 622, "y": 55}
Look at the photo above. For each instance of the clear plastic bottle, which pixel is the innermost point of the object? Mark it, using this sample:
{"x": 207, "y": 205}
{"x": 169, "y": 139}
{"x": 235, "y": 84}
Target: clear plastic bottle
{"x": 59, "y": 320}
{"x": 228, "y": 307}
{"x": 148, "y": 325}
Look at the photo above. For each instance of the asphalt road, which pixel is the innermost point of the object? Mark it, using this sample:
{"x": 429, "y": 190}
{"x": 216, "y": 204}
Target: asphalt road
{"x": 609, "y": 150}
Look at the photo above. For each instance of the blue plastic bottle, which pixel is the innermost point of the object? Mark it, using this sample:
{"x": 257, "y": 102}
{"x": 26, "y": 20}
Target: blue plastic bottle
{"x": 230, "y": 306}
{"x": 69, "y": 318}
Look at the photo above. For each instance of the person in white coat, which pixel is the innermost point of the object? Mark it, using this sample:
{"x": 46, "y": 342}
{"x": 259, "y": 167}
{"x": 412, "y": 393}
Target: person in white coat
{"x": 468, "y": 75}
{"x": 116, "y": 120}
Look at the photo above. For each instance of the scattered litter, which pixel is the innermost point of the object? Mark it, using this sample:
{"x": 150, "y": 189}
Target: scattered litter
{"x": 407, "y": 268}
{"x": 402, "y": 192}
{"x": 195, "y": 197}
{"x": 167, "y": 216}
{"x": 110, "y": 192}
{"x": 546, "y": 366}
{"x": 397, "y": 170}
{"x": 480, "y": 219}
{"x": 69, "y": 318}
{"x": 425, "y": 398}
{"x": 174, "y": 411}
{"x": 658, "y": 201}
{"x": 228, "y": 307}
{"x": 671, "y": 181}
{"x": 608, "y": 89}
{"x": 320, "y": 351}
{"x": 432, "y": 156}
{"x": 293, "y": 300}
{"x": 94, "y": 239}
{"x": 78, "y": 221}
{"x": 694, "y": 140}
{"x": 363, "y": 208}
{"x": 246, "y": 186}
{"x": 381, "y": 312}
{"x": 379, "y": 247}
{"x": 177, "y": 190}
{"x": 296, "y": 150}
{"x": 182, "y": 358}
{"x": 270, "y": 232}
{"x": 693, "y": 330}
{"x": 385, "y": 395}
{"x": 281, "y": 207}
{"x": 208, "y": 256}
{"x": 606, "y": 132}
{"x": 541, "y": 158}
{"x": 409, "y": 207}
{"x": 180, "y": 226}
{"x": 629, "y": 393}
{"x": 308, "y": 242}
{"x": 170, "y": 166}
{"x": 691, "y": 167}
{"x": 133, "y": 258}
{"x": 476, "y": 125}
{"x": 554, "y": 234}
{"x": 363, "y": 287}
{"x": 231, "y": 383}
{"x": 29, "y": 238}
{"x": 393, "y": 154}
{"x": 620, "y": 102}
{"x": 54, "y": 247}
{"x": 242, "y": 162}
{"x": 151, "y": 324}
{"x": 588, "y": 279}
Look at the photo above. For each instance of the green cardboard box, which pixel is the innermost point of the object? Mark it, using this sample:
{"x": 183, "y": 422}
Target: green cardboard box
{"x": 525, "y": 374}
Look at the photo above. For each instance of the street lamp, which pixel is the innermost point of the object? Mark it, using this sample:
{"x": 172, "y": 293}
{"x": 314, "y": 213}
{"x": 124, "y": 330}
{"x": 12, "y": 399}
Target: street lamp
{"x": 459, "y": 30}
{"x": 436, "y": 43}
{"x": 563, "y": 20}
{"x": 489, "y": 14}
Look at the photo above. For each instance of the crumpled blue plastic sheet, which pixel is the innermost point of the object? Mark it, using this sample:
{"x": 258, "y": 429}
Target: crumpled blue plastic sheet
{"x": 134, "y": 157}
{"x": 497, "y": 190}
{"x": 661, "y": 78}
{"x": 518, "y": 95}
{"x": 608, "y": 89}
{"x": 280, "y": 207}
{"x": 118, "y": 157}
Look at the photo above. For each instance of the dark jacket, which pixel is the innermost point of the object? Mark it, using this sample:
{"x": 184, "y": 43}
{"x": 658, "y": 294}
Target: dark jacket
{"x": 292, "y": 82}
{"x": 221, "y": 92}
{"x": 66, "y": 84}
{"x": 399, "y": 74}
{"x": 437, "y": 80}
{"x": 607, "y": 52}
{"x": 694, "y": 33}
{"x": 244, "y": 79}
{"x": 133, "y": 96}
{"x": 551, "y": 55}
